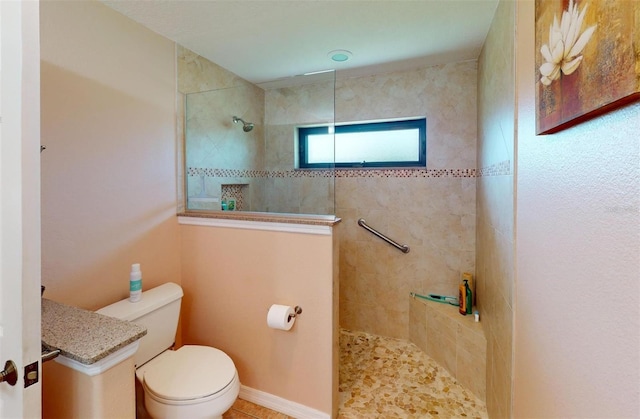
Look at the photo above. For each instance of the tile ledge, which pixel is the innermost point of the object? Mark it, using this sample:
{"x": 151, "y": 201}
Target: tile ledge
{"x": 290, "y": 223}
{"x": 309, "y": 219}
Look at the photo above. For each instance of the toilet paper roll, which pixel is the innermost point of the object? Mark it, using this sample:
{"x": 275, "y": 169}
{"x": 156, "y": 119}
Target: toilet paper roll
{"x": 281, "y": 317}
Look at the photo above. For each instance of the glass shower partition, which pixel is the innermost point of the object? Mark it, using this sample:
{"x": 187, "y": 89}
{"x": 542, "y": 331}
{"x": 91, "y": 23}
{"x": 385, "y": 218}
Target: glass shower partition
{"x": 241, "y": 149}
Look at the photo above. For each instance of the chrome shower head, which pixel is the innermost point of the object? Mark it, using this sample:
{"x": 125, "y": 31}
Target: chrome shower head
{"x": 246, "y": 126}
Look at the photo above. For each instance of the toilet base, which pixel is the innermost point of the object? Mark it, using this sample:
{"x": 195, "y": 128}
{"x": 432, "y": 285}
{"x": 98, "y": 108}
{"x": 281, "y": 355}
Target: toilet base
{"x": 211, "y": 407}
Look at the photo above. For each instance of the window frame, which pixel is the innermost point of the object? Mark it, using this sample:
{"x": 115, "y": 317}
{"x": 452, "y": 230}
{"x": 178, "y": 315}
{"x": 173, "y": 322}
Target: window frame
{"x": 376, "y": 126}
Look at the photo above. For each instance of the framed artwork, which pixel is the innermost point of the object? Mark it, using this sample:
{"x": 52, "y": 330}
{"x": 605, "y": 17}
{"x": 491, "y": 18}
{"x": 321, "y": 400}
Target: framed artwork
{"x": 587, "y": 59}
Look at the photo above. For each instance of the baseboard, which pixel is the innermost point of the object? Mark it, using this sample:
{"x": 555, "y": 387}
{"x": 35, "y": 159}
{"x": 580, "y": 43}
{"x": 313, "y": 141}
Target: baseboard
{"x": 281, "y": 405}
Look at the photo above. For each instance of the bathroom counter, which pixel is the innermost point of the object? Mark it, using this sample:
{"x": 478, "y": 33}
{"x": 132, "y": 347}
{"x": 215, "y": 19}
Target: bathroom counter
{"x": 85, "y": 336}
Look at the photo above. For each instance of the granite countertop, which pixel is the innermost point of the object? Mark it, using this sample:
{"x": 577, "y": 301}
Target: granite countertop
{"x": 85, "y": 336}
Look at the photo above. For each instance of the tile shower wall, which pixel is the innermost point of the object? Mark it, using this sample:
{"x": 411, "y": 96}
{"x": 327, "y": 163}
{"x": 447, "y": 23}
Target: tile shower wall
{"x": 432, "y": 210}
{"x": 495, "y": 209}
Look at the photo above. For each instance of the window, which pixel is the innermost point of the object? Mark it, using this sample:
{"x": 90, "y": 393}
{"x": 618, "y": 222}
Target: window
{"x": 376, "y": 144}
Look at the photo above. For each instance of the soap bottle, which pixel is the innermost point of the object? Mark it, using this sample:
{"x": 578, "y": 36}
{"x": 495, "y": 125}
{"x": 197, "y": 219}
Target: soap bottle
{"x": 135, "y": 283}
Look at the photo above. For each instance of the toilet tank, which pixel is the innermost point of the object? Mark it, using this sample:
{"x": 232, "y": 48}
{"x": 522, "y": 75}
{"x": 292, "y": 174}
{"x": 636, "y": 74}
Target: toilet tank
{"x": 158, "y": 311}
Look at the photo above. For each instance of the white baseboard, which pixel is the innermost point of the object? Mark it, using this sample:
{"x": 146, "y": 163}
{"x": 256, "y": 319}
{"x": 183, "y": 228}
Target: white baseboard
{"x": 281, "y": 405}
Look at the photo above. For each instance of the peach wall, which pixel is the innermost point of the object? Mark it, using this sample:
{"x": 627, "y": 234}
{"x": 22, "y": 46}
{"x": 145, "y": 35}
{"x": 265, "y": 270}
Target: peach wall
{"x": 109, "y": 170}
{"x": 232, "y": 276}
{"x": 494, "y": 205}
{"x": 577, "y": 317}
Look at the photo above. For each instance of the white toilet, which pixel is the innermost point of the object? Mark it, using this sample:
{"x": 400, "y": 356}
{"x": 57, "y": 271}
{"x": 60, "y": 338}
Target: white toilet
{"x": 191, "y": 382}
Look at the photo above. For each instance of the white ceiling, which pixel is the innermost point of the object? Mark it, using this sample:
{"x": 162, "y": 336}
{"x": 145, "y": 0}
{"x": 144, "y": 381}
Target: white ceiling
{"x": 262, "y": 40}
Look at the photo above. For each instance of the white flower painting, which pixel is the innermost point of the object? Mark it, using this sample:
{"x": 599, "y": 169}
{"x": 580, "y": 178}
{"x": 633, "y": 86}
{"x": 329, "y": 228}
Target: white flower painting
{"x": 587, "y": 60}
{"x": 563, "y": 53}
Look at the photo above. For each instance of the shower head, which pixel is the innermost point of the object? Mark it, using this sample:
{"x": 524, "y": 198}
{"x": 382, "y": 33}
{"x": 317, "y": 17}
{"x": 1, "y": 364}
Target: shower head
{"x": 246, "y": 126}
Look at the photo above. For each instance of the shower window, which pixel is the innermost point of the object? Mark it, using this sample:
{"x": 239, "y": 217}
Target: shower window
{"x": 375, "y": 144}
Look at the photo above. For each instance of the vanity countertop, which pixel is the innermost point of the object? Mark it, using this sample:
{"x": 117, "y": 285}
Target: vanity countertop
{"x": 85, "y": 336}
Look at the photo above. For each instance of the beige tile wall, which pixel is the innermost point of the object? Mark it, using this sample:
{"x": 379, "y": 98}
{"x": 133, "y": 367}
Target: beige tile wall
{"x": 432, "y": 212}
{"x": 495, "y": 209}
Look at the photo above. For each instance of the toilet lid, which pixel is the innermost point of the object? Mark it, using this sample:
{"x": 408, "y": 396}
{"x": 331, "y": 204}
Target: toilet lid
{"x": 191, "y": 372}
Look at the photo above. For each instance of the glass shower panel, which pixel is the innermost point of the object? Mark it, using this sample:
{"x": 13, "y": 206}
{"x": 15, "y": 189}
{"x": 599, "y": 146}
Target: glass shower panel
{"x": 241, "y": 147}
{"x": 222, "y": 157}
{"x": 289, "y": 104}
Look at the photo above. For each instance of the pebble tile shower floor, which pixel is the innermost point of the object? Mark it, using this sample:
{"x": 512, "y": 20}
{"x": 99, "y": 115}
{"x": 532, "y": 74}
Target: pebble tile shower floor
{"x": 382, "y": 377}
{"x": 385, "y": 378}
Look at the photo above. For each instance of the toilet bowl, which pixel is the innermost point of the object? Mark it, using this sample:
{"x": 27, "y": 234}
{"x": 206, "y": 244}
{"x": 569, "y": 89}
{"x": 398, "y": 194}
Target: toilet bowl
{"x": 191, "y": 382}
{"x": 195, "y": 382}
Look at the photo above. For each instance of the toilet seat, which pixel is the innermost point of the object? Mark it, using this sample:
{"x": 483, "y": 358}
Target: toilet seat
{"x": 191, "y": 373}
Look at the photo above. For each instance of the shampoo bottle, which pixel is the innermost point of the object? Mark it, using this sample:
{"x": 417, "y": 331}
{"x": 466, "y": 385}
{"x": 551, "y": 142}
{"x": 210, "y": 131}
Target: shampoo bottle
{"x": 462, "y": 299}
{"x": 135, "y": 283}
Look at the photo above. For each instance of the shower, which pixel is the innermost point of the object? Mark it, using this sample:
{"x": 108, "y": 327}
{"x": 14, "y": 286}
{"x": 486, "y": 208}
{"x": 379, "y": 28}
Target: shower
{"x": 246, "y": 126}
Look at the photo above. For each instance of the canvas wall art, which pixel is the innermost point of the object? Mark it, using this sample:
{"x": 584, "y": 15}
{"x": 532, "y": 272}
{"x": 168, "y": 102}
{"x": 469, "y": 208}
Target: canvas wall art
{"x": 587, "y": 59}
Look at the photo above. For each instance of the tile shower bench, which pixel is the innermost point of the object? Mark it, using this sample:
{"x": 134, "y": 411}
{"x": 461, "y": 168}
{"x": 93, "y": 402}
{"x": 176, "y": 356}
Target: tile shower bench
{"x": 454, "y": 341}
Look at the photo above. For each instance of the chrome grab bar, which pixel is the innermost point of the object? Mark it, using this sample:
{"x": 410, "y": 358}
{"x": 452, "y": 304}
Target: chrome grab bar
{"x": 402, "y": 247}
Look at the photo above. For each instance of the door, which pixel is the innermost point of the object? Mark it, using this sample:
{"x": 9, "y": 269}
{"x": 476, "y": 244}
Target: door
{"x": 20, "y": 206}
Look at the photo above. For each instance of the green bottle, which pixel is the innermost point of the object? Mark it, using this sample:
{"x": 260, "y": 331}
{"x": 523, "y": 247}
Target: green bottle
{"x": 467, "y": 292}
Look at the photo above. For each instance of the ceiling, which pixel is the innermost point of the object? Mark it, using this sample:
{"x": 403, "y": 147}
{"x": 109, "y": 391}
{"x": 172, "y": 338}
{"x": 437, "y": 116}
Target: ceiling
{"x": 263, "y": 40}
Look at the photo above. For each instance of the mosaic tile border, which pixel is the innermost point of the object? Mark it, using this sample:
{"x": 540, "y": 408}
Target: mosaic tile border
{"x": 497, "y": 169}
{"x": 331, "y": 173}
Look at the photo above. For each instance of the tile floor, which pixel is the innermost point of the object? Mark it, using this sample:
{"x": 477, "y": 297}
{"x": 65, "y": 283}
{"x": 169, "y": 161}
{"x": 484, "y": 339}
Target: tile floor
{"x": 243, "y": 409}
{"x": 382, "y": 377}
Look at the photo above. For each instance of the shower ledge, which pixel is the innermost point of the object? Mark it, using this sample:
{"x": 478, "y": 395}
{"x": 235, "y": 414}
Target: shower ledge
{"x": 302, "y": 223}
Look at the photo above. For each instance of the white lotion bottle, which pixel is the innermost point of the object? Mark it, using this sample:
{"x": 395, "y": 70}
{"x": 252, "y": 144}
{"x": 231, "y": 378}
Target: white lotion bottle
{"x": 135, "y": 283}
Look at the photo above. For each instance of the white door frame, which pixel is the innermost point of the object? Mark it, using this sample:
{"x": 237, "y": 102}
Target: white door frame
{"x": 20, "y": 338}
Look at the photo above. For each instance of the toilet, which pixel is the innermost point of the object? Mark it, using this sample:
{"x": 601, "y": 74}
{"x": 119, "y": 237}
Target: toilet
{"x": 191, "y": 382}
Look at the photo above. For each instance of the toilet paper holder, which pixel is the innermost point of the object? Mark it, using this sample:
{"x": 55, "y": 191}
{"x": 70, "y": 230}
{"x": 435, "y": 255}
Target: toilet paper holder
{"x": 297, "y": 311}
